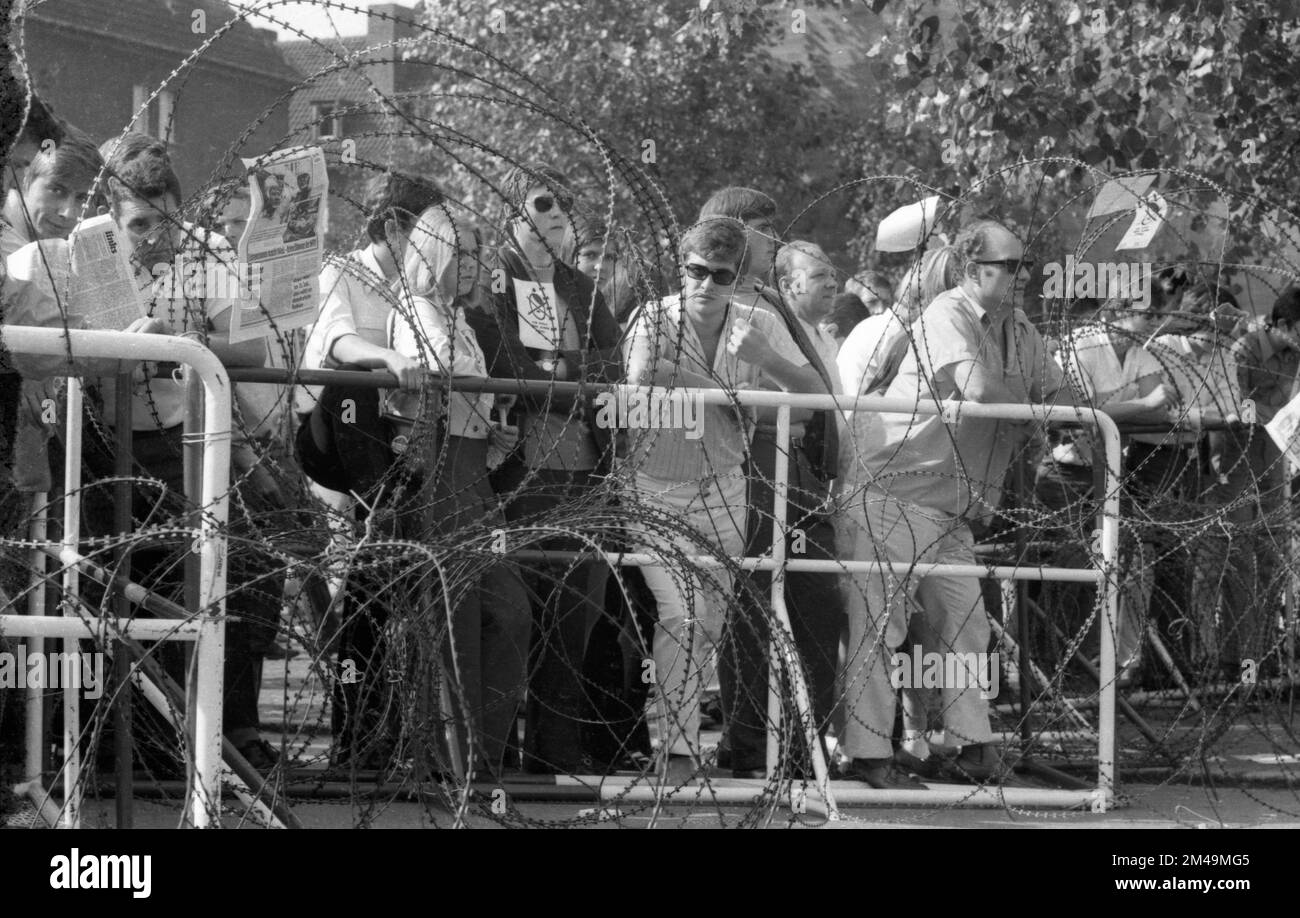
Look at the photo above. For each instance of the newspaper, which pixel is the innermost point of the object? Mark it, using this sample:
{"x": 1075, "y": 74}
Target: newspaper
{"x": 284, "y": 241}
{"x": 88, "y": 279}
{"x": 103, "y": 289}
{"x": 1285, "y": 430}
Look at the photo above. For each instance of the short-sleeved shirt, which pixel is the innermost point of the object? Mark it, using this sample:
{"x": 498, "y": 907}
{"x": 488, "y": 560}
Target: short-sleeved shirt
{"x": 1205, "y": 380}
{"x": 355, "y": 300}
{"x": 440, "y": 337}
{"x": 1096, "y": 372}
{"x": 871, "y": 355}
{"x": 1265, "y": 374}
{"x": 159, "y": 402}
{"x": 956, "y": 468}
{"x": 664, "y": 331}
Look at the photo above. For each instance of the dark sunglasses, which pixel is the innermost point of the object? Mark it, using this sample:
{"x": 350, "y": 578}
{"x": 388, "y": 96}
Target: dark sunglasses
{"x": 722, "y": 277}
{"x": 544, "y": 202}
{"x": 1012, "y": 265}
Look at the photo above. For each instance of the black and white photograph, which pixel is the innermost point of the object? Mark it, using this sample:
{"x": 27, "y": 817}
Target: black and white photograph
{"x": 689, "y": 414}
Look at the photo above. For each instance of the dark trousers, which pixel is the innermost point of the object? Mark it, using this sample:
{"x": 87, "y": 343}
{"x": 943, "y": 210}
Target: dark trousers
{"x": 1167, "y": 484}
{"x": 568, "y": 602}
{"x": 813, "y": 600}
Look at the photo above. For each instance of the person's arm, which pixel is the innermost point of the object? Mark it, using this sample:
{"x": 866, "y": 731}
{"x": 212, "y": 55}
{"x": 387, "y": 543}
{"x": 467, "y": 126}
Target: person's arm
{"x": 421, "y": 333}
{"x": 233, "y": 354}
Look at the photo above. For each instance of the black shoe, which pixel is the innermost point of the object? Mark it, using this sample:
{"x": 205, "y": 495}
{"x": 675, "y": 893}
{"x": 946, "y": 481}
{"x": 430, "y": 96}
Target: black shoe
{"x": 260, "y": 754}
{"x": 928, "y": 768}
{"x": 979, "y": 763}
{"x": 878, "y": 773}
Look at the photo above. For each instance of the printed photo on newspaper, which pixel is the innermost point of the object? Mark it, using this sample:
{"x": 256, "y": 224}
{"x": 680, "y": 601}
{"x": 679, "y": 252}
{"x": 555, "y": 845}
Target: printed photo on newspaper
{"x": 284, "y": 240}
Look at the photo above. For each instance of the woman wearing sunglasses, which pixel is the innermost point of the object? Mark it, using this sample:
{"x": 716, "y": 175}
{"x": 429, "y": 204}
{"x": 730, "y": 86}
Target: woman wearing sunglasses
{"x": 489, "y": 616}
{"x": 550, "y": 324}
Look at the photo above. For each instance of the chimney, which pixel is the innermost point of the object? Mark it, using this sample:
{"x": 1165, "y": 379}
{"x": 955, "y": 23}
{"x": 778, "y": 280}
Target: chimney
{"x": 380, "y": 31}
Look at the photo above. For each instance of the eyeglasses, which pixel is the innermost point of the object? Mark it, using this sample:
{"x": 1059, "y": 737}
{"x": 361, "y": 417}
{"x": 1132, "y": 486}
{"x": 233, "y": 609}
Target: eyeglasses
{"x": 544, "y": 202}
{"x": 1011, "y": 265}
{"x": 723, "y": 277}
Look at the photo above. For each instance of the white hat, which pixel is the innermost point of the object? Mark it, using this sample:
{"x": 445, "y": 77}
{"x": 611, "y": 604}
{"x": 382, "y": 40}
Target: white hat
{"x": 909, "y": 227}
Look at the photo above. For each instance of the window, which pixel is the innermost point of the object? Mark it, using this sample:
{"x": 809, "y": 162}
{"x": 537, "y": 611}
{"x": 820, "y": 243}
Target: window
{"x": 325, "y": 121}
{"x": 159, "y": 119}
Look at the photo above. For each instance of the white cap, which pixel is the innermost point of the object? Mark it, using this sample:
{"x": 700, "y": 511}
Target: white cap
{"x": 909, "y": 227}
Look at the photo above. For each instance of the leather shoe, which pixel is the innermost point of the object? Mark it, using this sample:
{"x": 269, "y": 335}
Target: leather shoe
{"x": 979, "y": 763}
{"x": 907, "y": 763}
{"x": 880, "y": 774}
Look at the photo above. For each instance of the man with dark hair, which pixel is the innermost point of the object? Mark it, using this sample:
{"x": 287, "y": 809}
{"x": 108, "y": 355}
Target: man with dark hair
{"x": 847, "y": 310}
{"x": 702, "y": 338}
{"x": 548, "y": 322}
{"x": 932, "y": 477}
{"x": 813, "y": 442}
{"x": 1251, "y": 470}
{"x": 343, "y": 421}
{"x": 53, "y": 193}
{"x": 1168, "y": 471}
{"x": 145, "y": 201}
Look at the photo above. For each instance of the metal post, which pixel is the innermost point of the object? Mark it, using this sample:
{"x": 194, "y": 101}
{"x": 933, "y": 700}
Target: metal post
{"x": 214, "y": 502}
{"x": 1022, "y": 621}
{"x": 1108, "y": 584}
{"x": 35, "y": 724}
{"x": 71, "y": 535}
{"x": 122, "y": 525}
{"x": 213, "y": 471}
{"x": 790, "y": 656}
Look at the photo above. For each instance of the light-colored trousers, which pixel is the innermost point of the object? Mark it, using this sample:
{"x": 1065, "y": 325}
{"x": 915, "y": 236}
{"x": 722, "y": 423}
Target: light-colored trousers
{"x": 879, "y": 607}
{"x": 692, "y": 601}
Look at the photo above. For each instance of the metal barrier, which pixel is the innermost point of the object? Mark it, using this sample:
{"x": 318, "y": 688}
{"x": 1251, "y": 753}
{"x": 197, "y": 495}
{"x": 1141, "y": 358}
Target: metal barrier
{"x": 209, "y": 630}
{"x": 208, "y": 627}
{"x": 1099, "y": 798}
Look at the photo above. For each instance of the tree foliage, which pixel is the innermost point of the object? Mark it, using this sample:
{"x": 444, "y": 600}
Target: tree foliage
{"x": 1160, "y": 85}
{"x": 684, "y": 91}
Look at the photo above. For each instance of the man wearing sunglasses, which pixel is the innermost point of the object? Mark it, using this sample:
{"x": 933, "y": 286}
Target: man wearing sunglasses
{"x": 934, "y": 476}
{"x": 814, "y": 447}
{"x": 549, "y": 323}
{"x": 699, "y": 339}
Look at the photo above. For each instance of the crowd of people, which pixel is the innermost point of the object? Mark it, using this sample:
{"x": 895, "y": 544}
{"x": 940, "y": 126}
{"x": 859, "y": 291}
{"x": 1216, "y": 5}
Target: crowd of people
{"x": 558, "y": 637}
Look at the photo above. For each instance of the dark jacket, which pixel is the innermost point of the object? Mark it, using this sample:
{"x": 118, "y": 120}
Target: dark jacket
{"x": 821, "y": 442}
{"x": 596, "y": 360}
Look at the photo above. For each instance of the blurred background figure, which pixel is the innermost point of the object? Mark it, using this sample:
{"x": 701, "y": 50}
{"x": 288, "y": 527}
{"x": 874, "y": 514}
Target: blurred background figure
{"x": 602, "y": 253}
{"x": 873, "y": 289}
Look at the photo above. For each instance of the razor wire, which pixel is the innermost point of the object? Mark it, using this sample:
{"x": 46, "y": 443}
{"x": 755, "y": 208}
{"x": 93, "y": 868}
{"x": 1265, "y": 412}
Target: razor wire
{"x": 320, "y": 588}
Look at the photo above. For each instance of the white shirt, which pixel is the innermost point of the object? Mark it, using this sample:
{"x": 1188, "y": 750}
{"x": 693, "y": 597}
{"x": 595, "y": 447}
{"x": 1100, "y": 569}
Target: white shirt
{"x": 159, "y": 402}
{"x": 1088, "y": 357}
{"x": 355, "y": 300}
{"x": 440, "y": 338}
{"x": 864, "y": 356}
{"x": 1205, "y": 382}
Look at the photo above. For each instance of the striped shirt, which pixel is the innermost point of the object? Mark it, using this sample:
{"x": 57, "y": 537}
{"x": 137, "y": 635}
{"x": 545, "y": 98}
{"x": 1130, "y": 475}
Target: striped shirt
{"x": 662, "y": 332}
